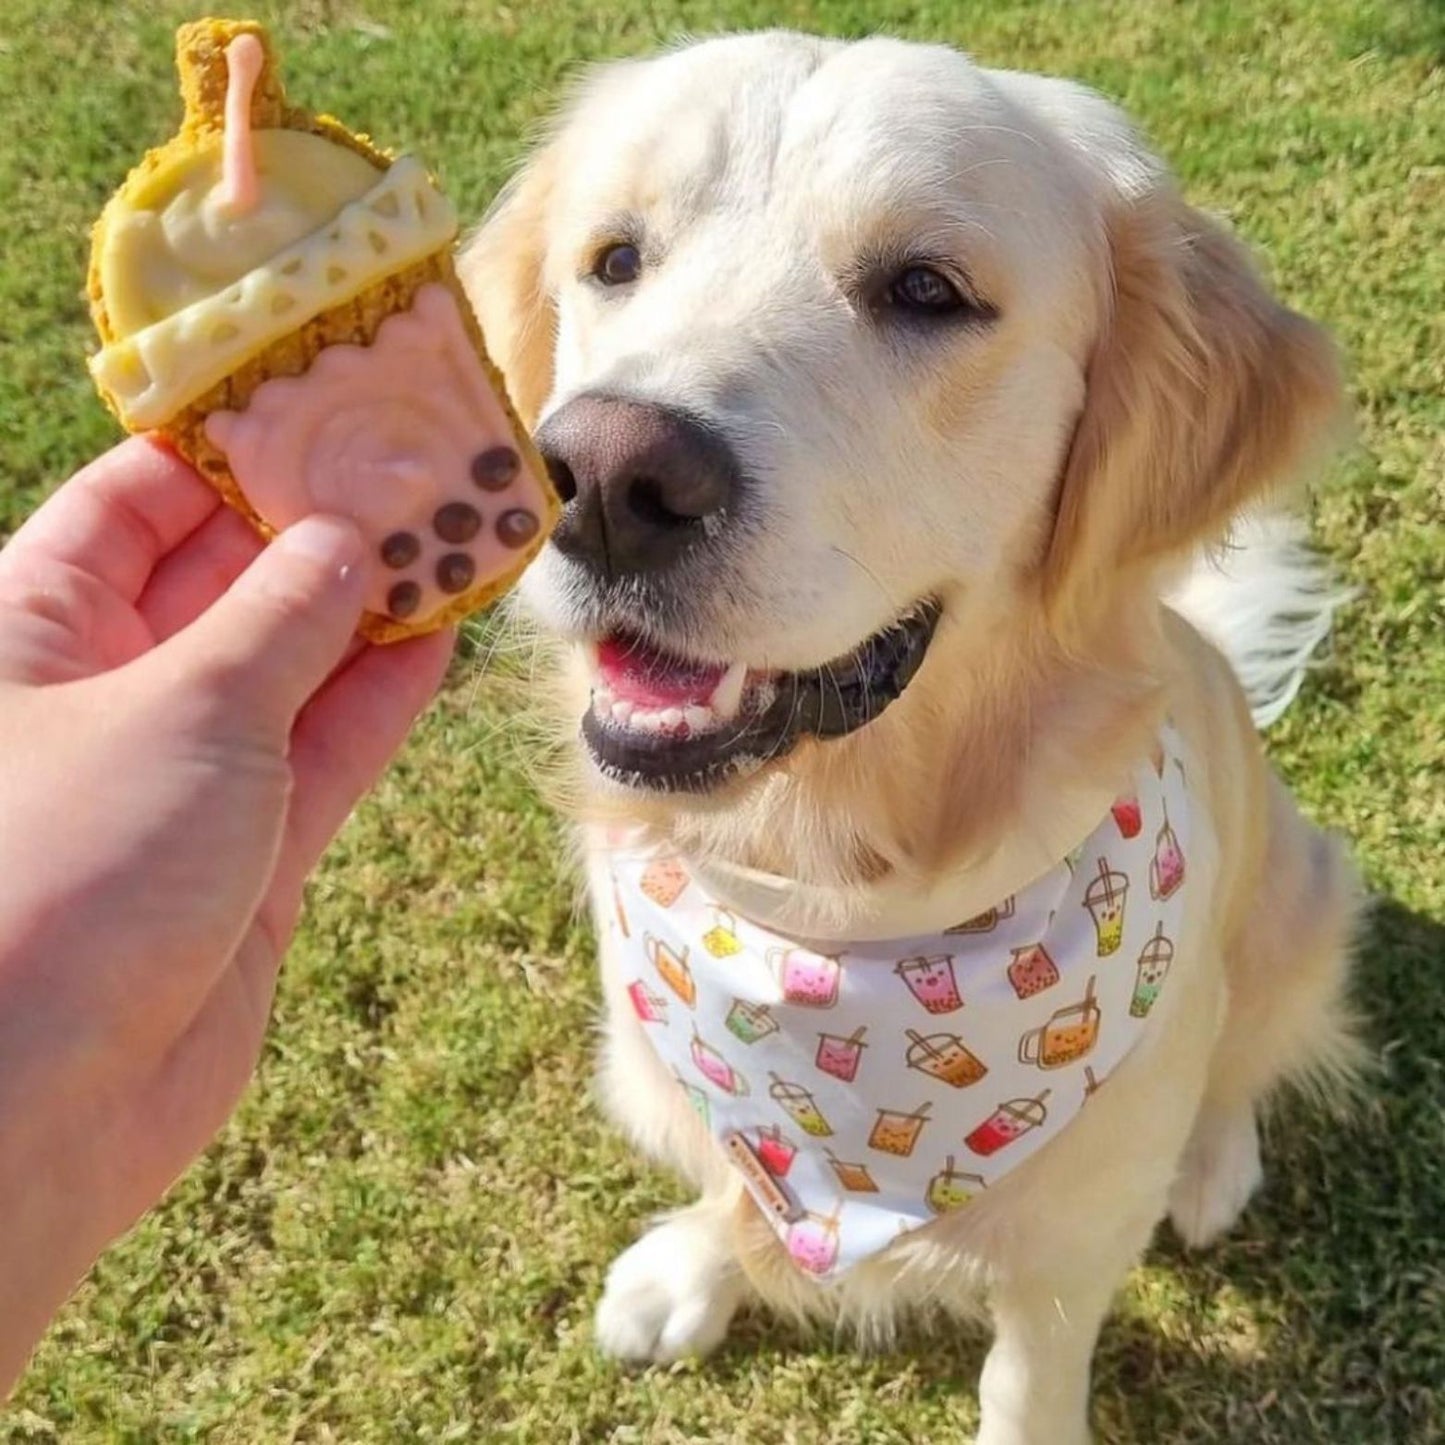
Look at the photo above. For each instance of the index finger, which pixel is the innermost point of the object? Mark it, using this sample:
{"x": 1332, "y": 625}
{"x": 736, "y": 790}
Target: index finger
{"x": 117, "y": 517}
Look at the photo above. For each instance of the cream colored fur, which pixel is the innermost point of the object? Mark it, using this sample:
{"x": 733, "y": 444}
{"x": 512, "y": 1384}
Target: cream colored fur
{"x": 1050, "y": 478}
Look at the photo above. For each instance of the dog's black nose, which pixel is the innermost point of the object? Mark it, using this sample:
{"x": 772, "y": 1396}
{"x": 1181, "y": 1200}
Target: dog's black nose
{"x": 640, "y": 481}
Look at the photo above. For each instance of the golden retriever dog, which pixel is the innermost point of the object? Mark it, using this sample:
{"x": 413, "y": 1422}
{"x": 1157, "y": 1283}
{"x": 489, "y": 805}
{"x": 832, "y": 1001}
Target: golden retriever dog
{"x": 905, "y": 414}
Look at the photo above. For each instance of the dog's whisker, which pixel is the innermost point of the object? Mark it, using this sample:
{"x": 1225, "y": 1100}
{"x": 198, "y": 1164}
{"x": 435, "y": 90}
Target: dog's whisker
{"x": 891, "y": 600}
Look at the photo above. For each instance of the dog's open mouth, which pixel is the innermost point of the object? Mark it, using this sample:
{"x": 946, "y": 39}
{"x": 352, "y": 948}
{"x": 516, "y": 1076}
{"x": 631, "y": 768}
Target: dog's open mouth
{"x": 673, "y": 724}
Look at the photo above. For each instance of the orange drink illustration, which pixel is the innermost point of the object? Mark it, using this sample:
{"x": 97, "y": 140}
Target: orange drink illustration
{"x": 944, "y": 1057}
{"x": 896, "y": 1132}
{"x": 855, "y": 1178}
{"x": 1069, "y": 1034}
{"x": 671, "y": 968}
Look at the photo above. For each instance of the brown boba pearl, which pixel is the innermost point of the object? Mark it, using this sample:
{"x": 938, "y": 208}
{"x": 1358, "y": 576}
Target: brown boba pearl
{"x": 456, "y": 522}
{"x": 400, "y": 550}
{"x": 403, "y": 599}
{"x": 495, "y": 469}
{"x": 455, "y": 572}
{"x": 517, "y": 527}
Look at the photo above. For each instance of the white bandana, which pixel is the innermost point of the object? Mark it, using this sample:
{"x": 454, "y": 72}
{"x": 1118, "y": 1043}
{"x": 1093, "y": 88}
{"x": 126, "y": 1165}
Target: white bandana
{"x": 863, "y": 1089}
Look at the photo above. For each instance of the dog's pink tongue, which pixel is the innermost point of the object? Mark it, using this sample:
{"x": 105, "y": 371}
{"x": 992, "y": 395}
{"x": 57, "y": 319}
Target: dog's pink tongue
{"x": 648, "y": 679}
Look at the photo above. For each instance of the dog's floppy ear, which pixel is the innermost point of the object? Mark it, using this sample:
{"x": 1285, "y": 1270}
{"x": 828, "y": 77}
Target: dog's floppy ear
{"x": 501, "y": 268}
{"x": 1202, "y": 392}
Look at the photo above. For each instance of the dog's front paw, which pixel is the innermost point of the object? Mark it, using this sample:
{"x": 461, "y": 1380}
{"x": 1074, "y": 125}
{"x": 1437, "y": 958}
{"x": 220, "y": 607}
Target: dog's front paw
{"x": 1220, "y": 1170}
{"x": 672, "y": 1295}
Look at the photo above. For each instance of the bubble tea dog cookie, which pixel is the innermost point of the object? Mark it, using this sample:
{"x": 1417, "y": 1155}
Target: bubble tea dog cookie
{"x": 276, "y": 298}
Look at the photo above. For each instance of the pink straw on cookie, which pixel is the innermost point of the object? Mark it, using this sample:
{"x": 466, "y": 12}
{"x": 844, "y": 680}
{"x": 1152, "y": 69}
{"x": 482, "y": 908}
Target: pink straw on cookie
{"x": 240, "y": 188}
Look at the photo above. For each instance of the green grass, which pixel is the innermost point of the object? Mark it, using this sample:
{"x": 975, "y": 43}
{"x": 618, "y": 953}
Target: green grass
{"x": 402, "y": 1235}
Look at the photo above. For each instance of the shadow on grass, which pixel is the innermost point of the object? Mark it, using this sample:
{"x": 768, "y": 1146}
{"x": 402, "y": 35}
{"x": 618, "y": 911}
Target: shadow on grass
{"x": 1322, "y": 1315}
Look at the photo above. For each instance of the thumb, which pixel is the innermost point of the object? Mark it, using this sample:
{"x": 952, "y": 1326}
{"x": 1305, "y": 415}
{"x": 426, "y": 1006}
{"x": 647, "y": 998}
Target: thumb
{"x": 266, "y": 645}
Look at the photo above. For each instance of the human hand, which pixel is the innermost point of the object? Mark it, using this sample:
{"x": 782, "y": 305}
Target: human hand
{"x": 185, "y": 722}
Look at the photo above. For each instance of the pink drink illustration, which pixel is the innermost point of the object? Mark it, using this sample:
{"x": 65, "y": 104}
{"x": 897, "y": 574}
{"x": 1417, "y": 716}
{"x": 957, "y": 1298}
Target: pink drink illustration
{"x": 1010, "y": 1121}
{"x": 716, "y": 1069}
{"x": 1105, "y": 898}
{"x": 750, "y": 1021}
{"x": 1032, "y": 970}
{"x": 810, "y": 979}
{"x": 775, "y": 1151}
{"x": 855, "y": 1178}
{"x": 1070, "y": 1033}
{"x": 986, "y": 921}
{"x": 949, "y": 1189}
{"x": 1127, "y": 816}
{"x": 1166, "y": 868}
{"x": 839, "y": 1056}
{"x": 896, "y": 1132}
{"x": 931, "y": 982}
{"x": 1154, "y": 960}
{"x": 650, "y": 1007}
{"x": 663, "y": 881}
{"x": 696, "y": 1098}
{"x": 671, "y": 968}
{"x": 944, "y": 1057}
{"x": 800, "y": 1106}
{"x": 813, "y": 1242}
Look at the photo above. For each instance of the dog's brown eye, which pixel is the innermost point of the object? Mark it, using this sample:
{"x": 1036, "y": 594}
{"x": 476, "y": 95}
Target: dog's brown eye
{"x": 925, "y": 292}
{"x": 618, "y": 265}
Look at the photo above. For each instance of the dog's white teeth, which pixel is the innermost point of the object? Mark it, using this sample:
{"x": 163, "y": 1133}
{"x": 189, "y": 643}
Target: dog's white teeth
{"x": 690, "y": 721}
{"x": 602, "y": 698}
{"x": 727, "y": 696}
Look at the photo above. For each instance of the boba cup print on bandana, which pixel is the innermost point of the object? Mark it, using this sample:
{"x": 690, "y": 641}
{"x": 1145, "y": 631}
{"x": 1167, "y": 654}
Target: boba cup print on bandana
{"x": 932, "y": 982}
{"x": 867, "y": 1087}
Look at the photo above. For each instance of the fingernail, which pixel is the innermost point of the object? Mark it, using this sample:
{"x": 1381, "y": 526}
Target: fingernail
{"x": 333, "y": 541}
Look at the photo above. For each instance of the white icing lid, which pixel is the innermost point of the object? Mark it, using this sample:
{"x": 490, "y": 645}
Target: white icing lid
{"x": 155, "y": 372}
